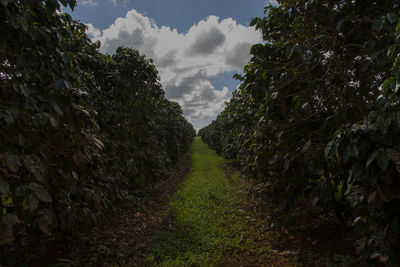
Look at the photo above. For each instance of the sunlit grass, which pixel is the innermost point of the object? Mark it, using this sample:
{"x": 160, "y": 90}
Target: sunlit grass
{"x": 205, "y": 209}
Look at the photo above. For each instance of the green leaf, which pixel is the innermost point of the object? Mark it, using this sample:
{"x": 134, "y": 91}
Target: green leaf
{"x": 392, "y": 50}
{"x": 254, "y": 21}
{"x": 386, "y": 85}
{"x": 392, "y": 17}
{"x": 382, "y": 160}
{"x": 4, "y": 187}
{"x": 4, "y": 2}
{"x": 297, "y": 104}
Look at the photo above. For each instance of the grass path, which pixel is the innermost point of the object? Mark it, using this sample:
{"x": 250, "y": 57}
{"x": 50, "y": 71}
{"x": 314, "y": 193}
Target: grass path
{"x": 206, "y": 220}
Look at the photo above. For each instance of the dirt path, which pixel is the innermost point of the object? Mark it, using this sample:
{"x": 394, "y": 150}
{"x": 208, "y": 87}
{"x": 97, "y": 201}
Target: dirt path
{"x": 215, "y": 219}
{"x": 299, "y": 240}
{"x": 121, "y": 240}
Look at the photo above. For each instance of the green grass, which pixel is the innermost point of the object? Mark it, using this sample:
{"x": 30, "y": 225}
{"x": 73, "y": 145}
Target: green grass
{"x": 206, "y": 217}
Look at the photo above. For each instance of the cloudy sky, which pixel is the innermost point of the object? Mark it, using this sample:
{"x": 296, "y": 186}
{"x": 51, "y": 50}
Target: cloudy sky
{"x": 196, "y": 45}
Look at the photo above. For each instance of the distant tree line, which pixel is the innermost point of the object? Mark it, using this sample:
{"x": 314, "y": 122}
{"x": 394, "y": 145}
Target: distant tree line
{"x": 317, "y": 115}
{"x": 79, "y": 130}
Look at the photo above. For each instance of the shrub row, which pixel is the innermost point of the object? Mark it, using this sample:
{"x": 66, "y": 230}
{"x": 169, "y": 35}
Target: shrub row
{"x": 79, "y": 130}
{"x": 317, "y": 115}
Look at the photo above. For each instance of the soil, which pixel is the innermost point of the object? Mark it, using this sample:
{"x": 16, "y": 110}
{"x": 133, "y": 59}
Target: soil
{"x": 308, "y": 239}
{"x": 121, "y": 240}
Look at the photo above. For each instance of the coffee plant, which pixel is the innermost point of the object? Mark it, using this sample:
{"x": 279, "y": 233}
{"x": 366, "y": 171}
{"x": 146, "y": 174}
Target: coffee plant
{"x": 316, "y": 115}
{"x": 79, "y": 130}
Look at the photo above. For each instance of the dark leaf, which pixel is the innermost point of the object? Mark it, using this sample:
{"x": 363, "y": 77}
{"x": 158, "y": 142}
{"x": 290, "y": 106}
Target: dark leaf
{"x": 378, "y": 24}
{"x": 32, "y": 202}
{"x": 254, "y": 22}
{"x": 289, "y": 52}
{"x": 20, "y": 191}
{"x": 4, "y": 187}
{"x": 306, "y": 146}
{"x": 10, "y": 219}
{"x": 47, "y": 220}
{"x": 58, "y": 109}
{"x": 53, "y": 121}
{"x": 286, "y": 164}
{"x": 39, "y": 177}
{"x": 315, "y": 201}
{"x": 382, "y": 160}
{"x": 339, "y": 24}
{"x": 298, "y": 50}
{"x": 392, "y": 17}
{"x": 13, "y": 163}
{"x": 40, "y": 192}
{"x": 372, "y": 197}
{"x": 371, "y": 158}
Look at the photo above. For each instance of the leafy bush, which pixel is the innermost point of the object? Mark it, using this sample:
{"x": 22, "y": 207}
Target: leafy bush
{"x": 79, "y": 130}
{"x": 318, "y": 74}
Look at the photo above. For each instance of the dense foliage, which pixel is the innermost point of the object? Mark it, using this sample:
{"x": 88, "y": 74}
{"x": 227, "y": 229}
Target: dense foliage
{"x": 317, "y": 114}
{"x": 79, "y": 130}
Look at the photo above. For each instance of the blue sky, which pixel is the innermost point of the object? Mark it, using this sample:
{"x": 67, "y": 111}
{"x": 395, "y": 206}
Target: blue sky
{"x": 196, "y": 45}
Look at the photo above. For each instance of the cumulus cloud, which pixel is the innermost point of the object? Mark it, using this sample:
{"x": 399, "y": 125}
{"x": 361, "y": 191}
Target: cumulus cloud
{"x": 187, "y": 62}
{"x": 92, "y": 31}
{"x": 238, "y": 55}
{"x": 207, "y": 42}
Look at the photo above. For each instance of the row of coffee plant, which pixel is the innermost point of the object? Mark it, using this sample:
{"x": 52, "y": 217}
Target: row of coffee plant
{"x": 318, "y": 115}
{"x": 79, "y": 130}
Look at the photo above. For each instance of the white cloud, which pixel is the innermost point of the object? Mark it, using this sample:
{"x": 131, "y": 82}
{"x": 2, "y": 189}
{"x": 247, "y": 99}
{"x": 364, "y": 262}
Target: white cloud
{"x": 87, "y": 3}
{"x": 92, "y": 31}
{"x": 187, "y": 62}
{"x": 96, "y": 3}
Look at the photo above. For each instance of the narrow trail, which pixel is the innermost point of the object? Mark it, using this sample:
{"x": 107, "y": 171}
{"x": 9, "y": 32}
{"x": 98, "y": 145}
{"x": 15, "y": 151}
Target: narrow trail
{"x": 206, "y": 220}
{"x": 204, "y": 215}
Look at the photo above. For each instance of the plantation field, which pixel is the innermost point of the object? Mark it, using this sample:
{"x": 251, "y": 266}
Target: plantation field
{"x": 100, "y": 164}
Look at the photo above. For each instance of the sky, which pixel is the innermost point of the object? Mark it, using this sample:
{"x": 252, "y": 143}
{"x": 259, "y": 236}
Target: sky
{"x": 196, "y": 45}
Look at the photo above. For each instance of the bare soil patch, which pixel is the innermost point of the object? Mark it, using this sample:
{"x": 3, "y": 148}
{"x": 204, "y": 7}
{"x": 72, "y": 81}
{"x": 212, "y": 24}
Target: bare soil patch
{"x": 304, "y": 237}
